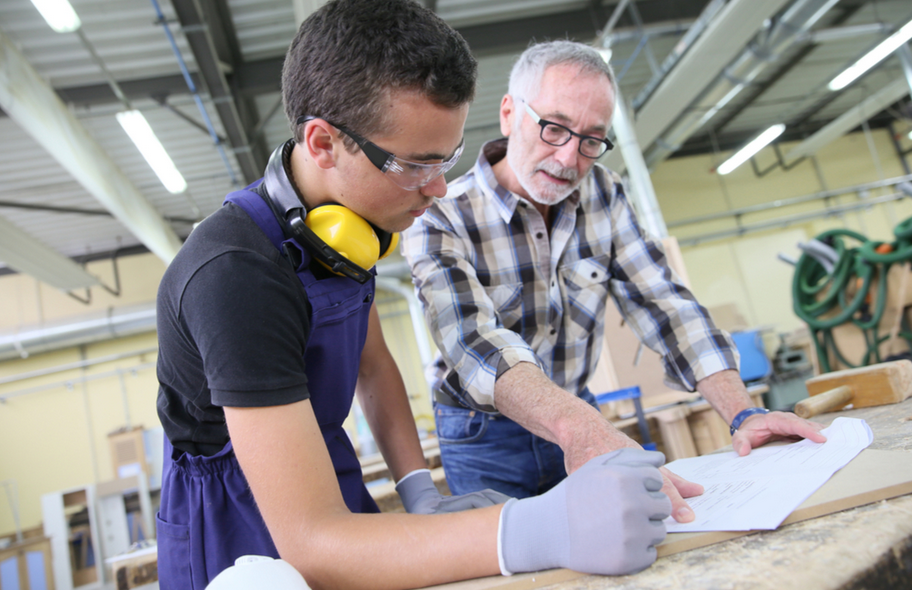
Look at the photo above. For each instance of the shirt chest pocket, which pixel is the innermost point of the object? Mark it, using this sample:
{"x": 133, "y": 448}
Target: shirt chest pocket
{"x": 586, "y": 292}
{"x": 507, "y": 302}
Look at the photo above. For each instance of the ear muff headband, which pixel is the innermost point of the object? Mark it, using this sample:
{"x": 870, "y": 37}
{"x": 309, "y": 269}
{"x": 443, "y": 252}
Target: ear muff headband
{"x": 391, "y": 244}
{"x": 337, "y": 237}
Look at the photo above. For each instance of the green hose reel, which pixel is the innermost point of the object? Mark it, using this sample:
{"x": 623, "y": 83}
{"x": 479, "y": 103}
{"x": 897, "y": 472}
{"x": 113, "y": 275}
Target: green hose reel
{"x": 826, "y": 299}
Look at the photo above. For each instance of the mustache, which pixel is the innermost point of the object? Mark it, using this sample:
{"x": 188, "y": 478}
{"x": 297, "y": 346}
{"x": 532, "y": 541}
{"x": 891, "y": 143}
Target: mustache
{"x": 558, "y": 171}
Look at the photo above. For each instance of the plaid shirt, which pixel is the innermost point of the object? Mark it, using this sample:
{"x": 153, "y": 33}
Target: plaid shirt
{"x": 498, "y": 290}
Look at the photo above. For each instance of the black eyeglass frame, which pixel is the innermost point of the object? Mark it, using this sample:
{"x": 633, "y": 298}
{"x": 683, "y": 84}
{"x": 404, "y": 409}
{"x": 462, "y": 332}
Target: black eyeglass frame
{"x": 386, "y": 161}
{"x": 544, "y": 123}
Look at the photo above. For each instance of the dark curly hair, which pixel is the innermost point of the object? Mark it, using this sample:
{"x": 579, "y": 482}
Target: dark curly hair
{"x": 350, "y": 54}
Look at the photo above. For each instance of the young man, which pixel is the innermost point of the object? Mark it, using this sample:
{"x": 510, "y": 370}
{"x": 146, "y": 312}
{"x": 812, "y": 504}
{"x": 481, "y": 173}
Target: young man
{"x": 267, "y": 332}
{"x": 515, "y": 271}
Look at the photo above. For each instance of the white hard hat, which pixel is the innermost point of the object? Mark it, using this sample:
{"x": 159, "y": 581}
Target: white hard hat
{"x": 251, "y": 572}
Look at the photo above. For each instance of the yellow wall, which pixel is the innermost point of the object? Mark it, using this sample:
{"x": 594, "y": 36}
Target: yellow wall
{"x": 400, "y": 337}
{"x": 27, "y": 302}
{"x": 53, "y": 432}
{"x": 745, "y": 270}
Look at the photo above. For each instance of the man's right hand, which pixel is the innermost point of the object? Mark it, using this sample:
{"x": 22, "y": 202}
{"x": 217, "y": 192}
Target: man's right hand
{"x": 677, "y": 488}
{"x": 528, "y": 397}
{"x": 596, "y": 436}
{"x": 605, "y": 518}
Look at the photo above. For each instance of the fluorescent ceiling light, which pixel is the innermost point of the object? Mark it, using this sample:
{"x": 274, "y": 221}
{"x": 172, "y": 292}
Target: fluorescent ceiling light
{"x": 59, "y": 15}
{"x": 136, "y": 126}
{"x": 873, "y": 57}
{"x": 744, "y": 154}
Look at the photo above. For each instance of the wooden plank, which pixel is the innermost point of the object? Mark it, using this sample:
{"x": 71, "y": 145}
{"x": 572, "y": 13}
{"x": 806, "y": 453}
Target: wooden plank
{"x": 676, "y": 436}
{"x": 709, "y": 431}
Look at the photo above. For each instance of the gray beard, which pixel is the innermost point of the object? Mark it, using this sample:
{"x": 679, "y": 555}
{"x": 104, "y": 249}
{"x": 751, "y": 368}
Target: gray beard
{"x": 551, "y": 168}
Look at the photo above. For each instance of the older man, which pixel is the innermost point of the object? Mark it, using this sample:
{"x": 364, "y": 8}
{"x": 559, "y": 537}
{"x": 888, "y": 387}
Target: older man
{"x": 514, "y": 272}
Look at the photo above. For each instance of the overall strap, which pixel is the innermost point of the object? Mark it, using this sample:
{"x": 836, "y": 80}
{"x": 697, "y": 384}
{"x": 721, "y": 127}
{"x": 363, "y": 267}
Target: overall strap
{"x": 254, "y": 204}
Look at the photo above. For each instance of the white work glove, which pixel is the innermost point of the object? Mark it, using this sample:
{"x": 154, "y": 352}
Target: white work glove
{"x": 605, "y": 518}
{"x": 420, "y": 496}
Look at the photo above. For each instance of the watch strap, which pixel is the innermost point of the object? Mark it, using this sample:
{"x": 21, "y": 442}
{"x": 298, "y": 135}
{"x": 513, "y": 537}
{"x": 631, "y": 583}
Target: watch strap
{"x": 744, "y": 414}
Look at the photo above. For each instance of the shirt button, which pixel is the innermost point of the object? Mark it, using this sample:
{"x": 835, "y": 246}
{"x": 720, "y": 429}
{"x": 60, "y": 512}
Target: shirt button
{"x": 552, "y": 283}
{"x": 594, "y": 274}
{"x": 553, "y": 331}
{"x": 539, "y": 235}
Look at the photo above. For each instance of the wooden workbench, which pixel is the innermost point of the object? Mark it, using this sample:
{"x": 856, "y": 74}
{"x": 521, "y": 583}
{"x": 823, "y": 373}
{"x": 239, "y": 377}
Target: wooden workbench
{"x": 866, "y": 547}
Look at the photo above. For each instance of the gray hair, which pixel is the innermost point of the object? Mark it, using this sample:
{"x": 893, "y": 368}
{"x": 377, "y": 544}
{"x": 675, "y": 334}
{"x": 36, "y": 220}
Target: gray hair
{"x": 525, "y": 78}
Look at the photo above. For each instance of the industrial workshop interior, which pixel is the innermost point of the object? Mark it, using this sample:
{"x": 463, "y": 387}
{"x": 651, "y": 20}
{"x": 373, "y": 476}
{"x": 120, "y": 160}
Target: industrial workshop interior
{"x": 765, "y": 143}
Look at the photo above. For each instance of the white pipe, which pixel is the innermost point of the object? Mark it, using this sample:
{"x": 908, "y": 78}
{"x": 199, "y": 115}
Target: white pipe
{"x": 642, "y": 193}
{"x": 69, "y": 383}
{"x": 112, "y": 323}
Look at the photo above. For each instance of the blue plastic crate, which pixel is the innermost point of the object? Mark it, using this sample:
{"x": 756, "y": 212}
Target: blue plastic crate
{"x": 754, "y": 362}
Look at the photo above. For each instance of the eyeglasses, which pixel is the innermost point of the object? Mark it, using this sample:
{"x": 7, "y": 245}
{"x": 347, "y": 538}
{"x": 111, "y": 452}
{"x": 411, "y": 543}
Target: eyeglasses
{"x": 405, "y": 173}
{"x": 556, "y": 134}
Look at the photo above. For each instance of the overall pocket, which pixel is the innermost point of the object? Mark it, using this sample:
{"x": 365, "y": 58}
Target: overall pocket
{"x": 173, "y": 555}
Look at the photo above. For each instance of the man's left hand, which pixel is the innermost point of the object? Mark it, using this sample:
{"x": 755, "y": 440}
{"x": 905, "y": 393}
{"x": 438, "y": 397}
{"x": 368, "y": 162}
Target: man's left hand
{"x": 760, "y": 429}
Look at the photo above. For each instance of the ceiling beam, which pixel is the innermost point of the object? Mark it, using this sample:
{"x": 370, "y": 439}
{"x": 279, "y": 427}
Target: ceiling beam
{"x": 725, "y": 36}
{"x": 200, "y": 34}
{"x": 794, "y": 133}
{"x": 22, "y": 252}
{"x": 217, "y": 14}
{"x": 850, "y": 119}
{"x": 143, "y": 88}
{"x": 94, "y": 94}
{"x": 254, "y": 78}
{"x": 32, "y": 103}
{"x": 842, "y": 12}
{"x": 79, "y": 211}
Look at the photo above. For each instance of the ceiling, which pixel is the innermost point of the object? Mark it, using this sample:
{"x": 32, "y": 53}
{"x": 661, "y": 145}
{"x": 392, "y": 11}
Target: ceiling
{"x": 701, "y": 76}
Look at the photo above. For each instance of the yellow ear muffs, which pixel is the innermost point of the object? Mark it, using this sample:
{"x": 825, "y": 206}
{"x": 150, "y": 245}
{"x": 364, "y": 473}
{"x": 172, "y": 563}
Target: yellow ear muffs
{"x": 349, "y": 234}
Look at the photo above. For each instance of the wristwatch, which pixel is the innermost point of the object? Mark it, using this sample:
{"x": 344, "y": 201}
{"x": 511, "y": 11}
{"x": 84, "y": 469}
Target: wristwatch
{"x": 744, "y": 414}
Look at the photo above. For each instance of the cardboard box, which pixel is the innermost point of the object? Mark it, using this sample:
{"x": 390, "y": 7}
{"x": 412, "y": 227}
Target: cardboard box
{"x": 128, "y": 452}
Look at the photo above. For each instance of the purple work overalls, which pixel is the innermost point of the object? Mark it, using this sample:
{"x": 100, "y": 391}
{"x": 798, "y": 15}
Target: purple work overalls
{"x": 211, "y": 494}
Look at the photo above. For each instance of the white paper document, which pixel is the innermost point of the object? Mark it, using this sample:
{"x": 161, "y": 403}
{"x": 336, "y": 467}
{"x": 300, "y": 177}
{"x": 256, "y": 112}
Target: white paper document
{"x": 759, "y": 491}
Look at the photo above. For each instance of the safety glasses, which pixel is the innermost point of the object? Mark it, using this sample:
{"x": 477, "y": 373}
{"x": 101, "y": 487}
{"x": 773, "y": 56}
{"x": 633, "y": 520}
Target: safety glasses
{"x": 404, "y": 173}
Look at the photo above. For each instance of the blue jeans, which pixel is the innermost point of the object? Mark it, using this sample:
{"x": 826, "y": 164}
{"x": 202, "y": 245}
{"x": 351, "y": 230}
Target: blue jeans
{"x": 480, "y": 451}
